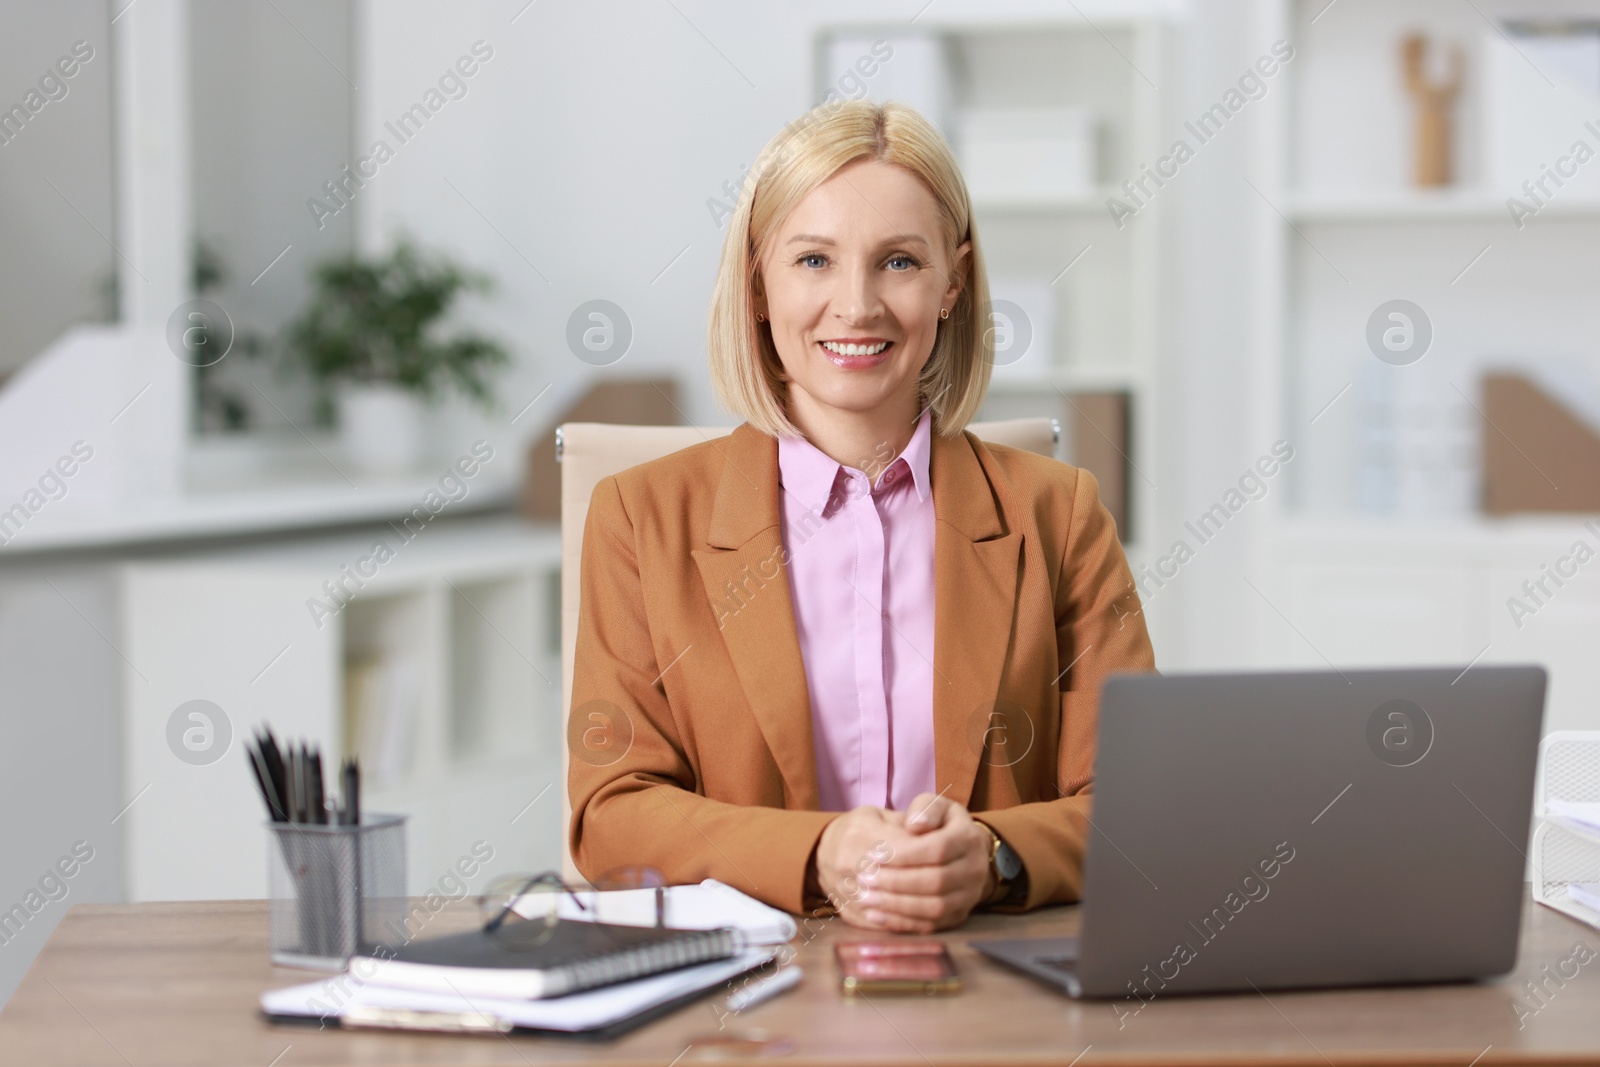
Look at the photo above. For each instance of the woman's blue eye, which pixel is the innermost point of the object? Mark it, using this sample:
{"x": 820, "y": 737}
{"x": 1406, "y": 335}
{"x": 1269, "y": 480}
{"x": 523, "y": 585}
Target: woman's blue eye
{"x": 908, "y": 260}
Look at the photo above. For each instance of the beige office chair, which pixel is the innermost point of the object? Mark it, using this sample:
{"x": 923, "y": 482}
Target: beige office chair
{"x": 589, "y": 451}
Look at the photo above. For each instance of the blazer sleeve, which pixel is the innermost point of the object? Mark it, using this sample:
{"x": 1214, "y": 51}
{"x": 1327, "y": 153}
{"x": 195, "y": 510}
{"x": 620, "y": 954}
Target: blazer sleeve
{"x": 1100, "y": 629}
{"x": 633, "y": 789}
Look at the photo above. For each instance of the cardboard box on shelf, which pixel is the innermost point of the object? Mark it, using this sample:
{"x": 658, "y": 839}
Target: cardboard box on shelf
{"x": 1538, "y": 454}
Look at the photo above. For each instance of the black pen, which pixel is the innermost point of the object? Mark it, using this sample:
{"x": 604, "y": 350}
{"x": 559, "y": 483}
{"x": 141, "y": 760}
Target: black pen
{"x": 319, "y": 806}
{"x": 323, "y": 796}
{"x": 263, "y": 781}
{"x": 273, "y": 769}
{"x": 297, "y": 765}
{"x": 352, "y": 793}
{"x": 273, "y": 757}
{"x": 281, "y": 762}
{"x": 313, "y": 786}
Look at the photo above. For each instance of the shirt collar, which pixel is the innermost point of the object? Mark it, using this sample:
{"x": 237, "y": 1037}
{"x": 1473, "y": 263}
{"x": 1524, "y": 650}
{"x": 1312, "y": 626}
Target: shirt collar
{"x": 917, "y": 452}
{"x": 808, "y": 473}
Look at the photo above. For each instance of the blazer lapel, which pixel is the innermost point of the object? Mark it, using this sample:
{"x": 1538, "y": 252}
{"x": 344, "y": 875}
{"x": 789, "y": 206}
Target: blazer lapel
{"x": 747, "y": 584}
{"x": 975, "y": 599}
{"x": 975, "y": 581}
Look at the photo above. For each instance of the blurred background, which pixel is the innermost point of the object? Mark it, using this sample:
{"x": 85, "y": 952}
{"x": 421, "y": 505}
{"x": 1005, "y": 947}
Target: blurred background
{"x": 293, "y": 294}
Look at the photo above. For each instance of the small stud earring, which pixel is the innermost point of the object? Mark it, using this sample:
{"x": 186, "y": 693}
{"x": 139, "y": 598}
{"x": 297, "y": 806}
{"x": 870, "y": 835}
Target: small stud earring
{"x": 760, "y": 317}
{"x": 944, "y": 313}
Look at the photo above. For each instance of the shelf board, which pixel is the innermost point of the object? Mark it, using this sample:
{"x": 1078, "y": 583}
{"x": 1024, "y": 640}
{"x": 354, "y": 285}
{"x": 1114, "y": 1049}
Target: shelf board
{"x": 1081, "y": 203}
{"x": 1405, "y": 205}
{"x": 1078, "y": 378}
{"x": 1441, "y": 539}
{"x": 990, "y": 16}
{"x": 468, "y": 548}
{"x": 265, "y": 502}
{"x": 1312, "y": 524}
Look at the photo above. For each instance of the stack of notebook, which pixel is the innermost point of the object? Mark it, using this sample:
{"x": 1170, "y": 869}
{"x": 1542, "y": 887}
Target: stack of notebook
{"x": 578, "y": 976}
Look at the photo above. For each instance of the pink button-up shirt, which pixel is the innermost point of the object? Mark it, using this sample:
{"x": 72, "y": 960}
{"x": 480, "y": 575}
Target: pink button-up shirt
{"x": 860, "y": 565}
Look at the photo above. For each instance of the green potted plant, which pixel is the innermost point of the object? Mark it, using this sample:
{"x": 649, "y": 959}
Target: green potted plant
{"x": 370, "y": 338}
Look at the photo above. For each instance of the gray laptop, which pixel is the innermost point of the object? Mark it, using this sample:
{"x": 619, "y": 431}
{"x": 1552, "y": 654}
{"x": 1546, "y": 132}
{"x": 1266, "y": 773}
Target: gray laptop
{"x": 1286, "y": 830}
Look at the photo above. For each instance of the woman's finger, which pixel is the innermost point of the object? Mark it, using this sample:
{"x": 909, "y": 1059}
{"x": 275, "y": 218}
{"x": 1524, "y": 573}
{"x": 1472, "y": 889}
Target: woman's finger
{"x": 928, "y": 811}
{"x": 930, "y": 880}
{"x": 899, "y": 924}
{"x": 906, "y": 905}
{"x": 934, "y": 848}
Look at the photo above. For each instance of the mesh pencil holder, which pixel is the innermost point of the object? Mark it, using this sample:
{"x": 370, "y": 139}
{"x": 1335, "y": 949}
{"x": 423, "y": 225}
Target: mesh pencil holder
{"x": 1562, "y": 854}
{"x": 334, "y": 890}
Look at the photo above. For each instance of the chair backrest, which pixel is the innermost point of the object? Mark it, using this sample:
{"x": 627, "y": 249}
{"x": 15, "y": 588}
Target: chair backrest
{"x": 590, "y": 451}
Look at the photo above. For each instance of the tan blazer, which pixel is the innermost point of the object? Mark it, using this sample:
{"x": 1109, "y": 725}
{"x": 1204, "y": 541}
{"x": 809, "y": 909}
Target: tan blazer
{"x": 690, "y": 731}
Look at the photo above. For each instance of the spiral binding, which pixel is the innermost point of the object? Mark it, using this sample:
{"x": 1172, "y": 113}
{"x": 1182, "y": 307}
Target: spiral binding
{"x": 697, "y": 946}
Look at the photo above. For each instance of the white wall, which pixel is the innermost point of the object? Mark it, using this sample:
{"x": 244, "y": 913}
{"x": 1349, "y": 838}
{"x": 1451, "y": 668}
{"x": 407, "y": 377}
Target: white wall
{"x": 271, "y": 110}
{"x": 54, "y": 263}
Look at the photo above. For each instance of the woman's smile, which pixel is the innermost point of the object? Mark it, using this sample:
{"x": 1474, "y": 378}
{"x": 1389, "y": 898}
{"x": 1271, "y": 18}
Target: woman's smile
{"x": 856, "y": 354}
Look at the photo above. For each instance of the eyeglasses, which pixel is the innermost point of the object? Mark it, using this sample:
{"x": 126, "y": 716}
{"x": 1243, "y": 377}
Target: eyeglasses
{"x": 525, "y": 909}
{"x": 501, "y": 898}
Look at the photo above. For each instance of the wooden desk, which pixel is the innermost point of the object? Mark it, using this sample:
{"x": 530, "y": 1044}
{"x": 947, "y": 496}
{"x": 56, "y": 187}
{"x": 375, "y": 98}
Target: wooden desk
{"x": 177, "y": 984}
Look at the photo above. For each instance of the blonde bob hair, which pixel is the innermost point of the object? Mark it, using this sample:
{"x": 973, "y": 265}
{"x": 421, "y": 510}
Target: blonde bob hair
{"x": 746, "y": 373}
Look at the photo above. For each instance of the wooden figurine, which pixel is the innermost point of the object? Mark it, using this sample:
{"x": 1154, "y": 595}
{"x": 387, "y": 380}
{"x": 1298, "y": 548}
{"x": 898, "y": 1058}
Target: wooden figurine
{"x": 1434, "y": 105}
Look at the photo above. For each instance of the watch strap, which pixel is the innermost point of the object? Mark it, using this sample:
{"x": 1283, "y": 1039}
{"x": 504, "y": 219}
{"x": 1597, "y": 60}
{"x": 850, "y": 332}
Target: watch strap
{"x": 1003, "y": 889}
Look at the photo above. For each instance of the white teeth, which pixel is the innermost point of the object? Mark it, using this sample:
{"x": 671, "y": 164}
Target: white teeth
{"x": 855, "y": 350}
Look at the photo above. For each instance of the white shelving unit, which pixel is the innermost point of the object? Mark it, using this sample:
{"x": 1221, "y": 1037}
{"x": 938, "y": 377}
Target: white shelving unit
{"x": 1368, "y": 567}
{"x": 1463, "y": 205}
{"x": 464, "y": 619}
{"x": 1103, "y": 279}
{"x": 1089, "y": 203}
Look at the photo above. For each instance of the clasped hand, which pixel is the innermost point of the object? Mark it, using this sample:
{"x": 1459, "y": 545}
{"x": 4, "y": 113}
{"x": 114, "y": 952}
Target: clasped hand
{"x": 916, "y": 871}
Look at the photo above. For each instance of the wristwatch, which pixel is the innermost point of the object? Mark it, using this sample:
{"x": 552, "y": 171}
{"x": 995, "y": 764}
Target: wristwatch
{"x": 1007, "y": 868}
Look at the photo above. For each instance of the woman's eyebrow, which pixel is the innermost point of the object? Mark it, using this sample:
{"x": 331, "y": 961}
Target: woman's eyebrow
{"x": 905, "y": 238}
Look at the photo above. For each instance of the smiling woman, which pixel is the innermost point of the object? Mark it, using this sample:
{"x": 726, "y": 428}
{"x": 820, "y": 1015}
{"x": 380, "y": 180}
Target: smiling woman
{"x": 923, "y": 682}
{"x": 868, "y": 199}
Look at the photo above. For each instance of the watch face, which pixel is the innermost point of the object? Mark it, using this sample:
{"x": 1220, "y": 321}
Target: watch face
{"x": 1007, "y": 862}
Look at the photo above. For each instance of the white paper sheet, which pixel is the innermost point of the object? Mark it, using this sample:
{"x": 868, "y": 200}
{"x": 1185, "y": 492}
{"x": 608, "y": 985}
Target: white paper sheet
{"x": 1585, "y": 893}
{"x": 575, "y": 1013}
{"x": 1582, "y": 817}
{"x": 706, "y": 906}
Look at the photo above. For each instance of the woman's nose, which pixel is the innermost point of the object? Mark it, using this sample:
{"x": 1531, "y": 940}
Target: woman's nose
{"x": 858, "y": 299}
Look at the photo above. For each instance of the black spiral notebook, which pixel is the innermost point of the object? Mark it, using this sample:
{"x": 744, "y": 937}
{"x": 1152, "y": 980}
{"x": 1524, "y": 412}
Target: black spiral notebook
{"x": 597, "y": 1014}
{"x": 530, "y": 961}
